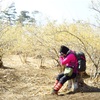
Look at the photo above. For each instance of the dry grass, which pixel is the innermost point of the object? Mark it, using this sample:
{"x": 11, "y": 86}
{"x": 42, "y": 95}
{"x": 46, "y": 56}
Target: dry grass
{"x": 20, "y": 81}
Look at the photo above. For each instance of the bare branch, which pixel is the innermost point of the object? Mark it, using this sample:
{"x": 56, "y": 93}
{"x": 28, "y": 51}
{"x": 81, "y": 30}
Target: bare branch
{"x": 84, "y": 46}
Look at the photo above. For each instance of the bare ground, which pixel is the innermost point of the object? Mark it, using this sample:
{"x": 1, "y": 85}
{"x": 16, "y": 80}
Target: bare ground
{"x": 20, "y": 81}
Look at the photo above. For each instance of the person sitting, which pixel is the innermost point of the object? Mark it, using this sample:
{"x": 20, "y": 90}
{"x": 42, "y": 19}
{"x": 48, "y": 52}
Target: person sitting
{"x": 69, "y": 60}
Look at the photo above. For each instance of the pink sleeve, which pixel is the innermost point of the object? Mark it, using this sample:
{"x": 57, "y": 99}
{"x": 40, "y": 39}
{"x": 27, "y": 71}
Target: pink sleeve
{"x": 64, "y": 61}
{"x": 61, "y": 60}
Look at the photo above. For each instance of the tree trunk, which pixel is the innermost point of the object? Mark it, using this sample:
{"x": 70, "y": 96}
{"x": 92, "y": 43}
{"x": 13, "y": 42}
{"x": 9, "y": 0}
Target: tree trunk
{"x": 1, "y": 63}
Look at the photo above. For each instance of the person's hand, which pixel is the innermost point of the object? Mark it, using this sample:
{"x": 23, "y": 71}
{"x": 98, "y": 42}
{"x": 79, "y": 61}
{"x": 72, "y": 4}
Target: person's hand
{"x": 61, "y": 54}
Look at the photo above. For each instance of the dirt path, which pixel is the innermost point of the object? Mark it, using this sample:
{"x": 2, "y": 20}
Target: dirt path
{"x": 28, "y": 82}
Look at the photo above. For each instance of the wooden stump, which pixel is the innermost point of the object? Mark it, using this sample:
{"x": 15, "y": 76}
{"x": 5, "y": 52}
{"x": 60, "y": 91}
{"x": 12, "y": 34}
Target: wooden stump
{"x": 75, "y": 84}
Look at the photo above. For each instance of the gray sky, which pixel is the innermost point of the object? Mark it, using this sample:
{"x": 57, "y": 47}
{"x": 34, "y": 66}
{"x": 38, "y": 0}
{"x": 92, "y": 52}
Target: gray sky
{"x": 58, "y": 9}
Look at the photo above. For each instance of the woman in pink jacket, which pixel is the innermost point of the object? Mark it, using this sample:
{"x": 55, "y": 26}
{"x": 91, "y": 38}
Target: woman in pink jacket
{"x": 67, "y": 58}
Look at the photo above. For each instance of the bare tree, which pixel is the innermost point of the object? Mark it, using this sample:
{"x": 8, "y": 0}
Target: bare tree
{"x": 84, "y": 46}
{"x": 96, "y": 7}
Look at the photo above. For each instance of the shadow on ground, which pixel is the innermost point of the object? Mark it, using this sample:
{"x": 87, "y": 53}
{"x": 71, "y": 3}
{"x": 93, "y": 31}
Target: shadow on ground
{"x": 84, "y": 89}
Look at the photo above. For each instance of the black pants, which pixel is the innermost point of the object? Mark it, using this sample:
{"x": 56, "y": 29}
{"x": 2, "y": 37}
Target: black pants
{"x": 63, "y": 78}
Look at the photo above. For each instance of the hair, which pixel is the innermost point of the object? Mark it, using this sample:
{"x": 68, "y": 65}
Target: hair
{"x": 64, "y": 49}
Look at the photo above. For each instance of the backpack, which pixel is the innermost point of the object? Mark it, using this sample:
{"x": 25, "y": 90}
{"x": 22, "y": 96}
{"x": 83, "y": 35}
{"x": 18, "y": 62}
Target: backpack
{"x": 81, "y": 61}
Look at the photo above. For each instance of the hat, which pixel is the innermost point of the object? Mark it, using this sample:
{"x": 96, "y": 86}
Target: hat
{"x": 64, "y": 49}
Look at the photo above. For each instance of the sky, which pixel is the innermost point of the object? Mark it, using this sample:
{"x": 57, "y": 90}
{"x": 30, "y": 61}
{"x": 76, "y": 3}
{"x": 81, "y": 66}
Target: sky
{"x": 57, "y": 9}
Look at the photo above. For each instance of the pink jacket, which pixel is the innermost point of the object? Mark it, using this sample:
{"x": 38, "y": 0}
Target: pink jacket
{"x": 70, "y": 61}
